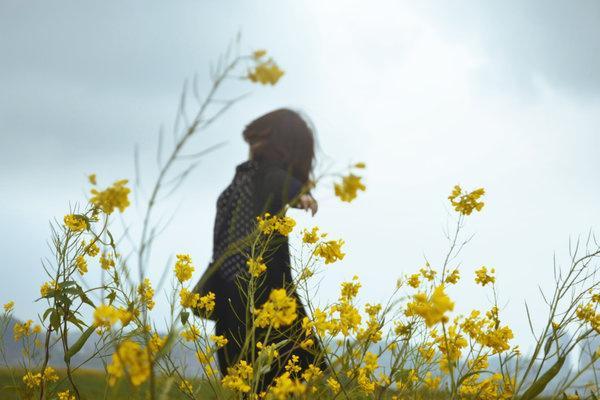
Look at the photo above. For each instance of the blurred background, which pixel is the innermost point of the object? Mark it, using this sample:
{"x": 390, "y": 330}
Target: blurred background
{"x": 503, "y": 95}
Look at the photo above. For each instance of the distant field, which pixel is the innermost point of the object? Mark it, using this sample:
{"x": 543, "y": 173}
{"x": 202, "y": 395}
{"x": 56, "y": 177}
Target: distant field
{"x": 92, "y": 386}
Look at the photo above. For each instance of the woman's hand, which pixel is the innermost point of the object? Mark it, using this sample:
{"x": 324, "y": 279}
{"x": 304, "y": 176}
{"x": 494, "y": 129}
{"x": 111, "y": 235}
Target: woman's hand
{"x": 307, "y": 202}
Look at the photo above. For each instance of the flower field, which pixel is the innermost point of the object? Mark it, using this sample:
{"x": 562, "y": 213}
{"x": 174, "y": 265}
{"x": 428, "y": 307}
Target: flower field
{"x": 413, "y": 346}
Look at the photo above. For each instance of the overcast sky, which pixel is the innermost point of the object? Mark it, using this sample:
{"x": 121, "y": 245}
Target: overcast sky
{"x": 503, "y": 95}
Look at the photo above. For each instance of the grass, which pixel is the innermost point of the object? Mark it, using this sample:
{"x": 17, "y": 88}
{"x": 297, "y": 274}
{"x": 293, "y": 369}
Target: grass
{"x": 92, "y": 386}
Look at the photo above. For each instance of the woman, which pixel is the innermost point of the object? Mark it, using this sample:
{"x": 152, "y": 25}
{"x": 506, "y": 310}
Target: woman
{"x": 276, "y": 176}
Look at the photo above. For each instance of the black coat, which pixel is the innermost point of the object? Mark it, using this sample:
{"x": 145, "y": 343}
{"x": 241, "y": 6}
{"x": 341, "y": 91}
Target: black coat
{"x": 257, "y": 187}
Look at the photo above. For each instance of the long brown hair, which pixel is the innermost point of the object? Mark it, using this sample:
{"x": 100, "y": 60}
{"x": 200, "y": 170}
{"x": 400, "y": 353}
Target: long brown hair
{"x": 283, "y": 136}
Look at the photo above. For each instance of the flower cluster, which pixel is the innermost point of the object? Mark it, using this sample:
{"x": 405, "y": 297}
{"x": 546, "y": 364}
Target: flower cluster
{"x": 465, "y": 203}
{"x": 183, "y": 267}
{"x": 146, "y": 293}
{"x": 483, "y": 278}
{"x": 33, "y": 381}
{"x": 115, "y": 196}
{"x": 130, "y": 359}
{"x": 195, "y": 301}
{"x": 238, "y": 377}
{"x": 75, "y": 222}
{"x": 348, "y": 189}
{"x": 330, "y": 251}
{"x": 25, "y": 329}
{"x": 432, "y": 308}
{"x": 266, "y": 71}
{"x": 279, "y": 310}
{"x": 268, "y": 224}
{"x": 256, "y": 266}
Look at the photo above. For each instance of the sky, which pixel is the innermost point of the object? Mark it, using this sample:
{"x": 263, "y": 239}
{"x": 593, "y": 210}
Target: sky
{"x": 500, "y": 95}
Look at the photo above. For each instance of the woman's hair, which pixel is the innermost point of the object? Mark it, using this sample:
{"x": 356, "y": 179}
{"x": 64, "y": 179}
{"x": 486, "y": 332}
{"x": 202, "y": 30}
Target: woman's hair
{"x": 283, "y": 136}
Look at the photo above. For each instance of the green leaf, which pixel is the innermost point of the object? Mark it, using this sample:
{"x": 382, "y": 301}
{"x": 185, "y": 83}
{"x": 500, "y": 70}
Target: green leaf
{"x": 111, "y": 297}
{"x": 184, "y": 317}
{"x": 79, "y": 343}
{"x": 77, "y": 322}
{"x": 48, "y": 311}
{"x": 55, "y": 320}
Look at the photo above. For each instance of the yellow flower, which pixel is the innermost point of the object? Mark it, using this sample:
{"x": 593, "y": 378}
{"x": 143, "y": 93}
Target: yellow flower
{"x": 75, "y": 223}
{"x": 238, "y": 377}
{"x": 453, "y": 277}
{"x": 92, "y": 179}
{"x": 188, "y": 299}
{"x": 467, "y": 202}
{"x": 48, "y": 287}
{"x": 587, "y": 313}
{"x": 256, "y": 266}
{"x": 8, "y": 307}
{"x": 132, "y": 360}
{"x": 483, "y": 278}
{"x": 146, "y": 293}
{"x": 364, "y": 382}
{"x": 284, "y": 387}
{"x": 66, "y": 395}
{"x": 92, "y": 249}
{"x": 279, "y": 310}
{"x": 312, "y": 372}
{"x": 156, "y": 343}
{"x": 106, "y": 261}
{"x": 268, "y": 224}
{"x": 183, "y": 267}
{"x": 265, "y": 72}
{"x": 191, "y": 334}
{"x": 428, "y": 273}
{"x": 307, "y": 344}
{"x": 22, "y": 330}
{"x": 350, "y": 289}
{"x": 33, "y": 381}
{"x": 206, "y": 303}
{"x": 360, "y": 165}
{"x": 402, "y": 329}
{"x": 126, "y": 316}
{"x": 432, "y": 382}
{"x": 348, "y": 319}
{"x": 220, "y": 341}
{"x": 115, "y": 196}
{"x": 312, "y": 236}
{"x": 186, "y": 387}
{"x": 105, "y": 316}
{"x": 431, "y": 309}
{"x": 259, "y": 54}
{"x": 414, "y": 280}
{"x": 205, "y": 357}
{"x": 330, "y": 251}
{"x": 334, "y": 385}
{"x": 292, "y": 364}
{"x": 81, "y": 264}
{"x": 347, "y": 190}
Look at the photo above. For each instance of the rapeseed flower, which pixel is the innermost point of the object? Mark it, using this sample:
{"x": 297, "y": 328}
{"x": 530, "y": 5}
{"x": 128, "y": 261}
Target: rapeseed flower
{"x": 465, "y": 203}
{"x": 131, "y": 359}
{"x": 256, "y": 266}
{"x": 432, "y": 309}
{"x": 330, "y": 251}
{"x": 75, "y": 222}
{"x": 279, "y": 310}
{"x": 348, "y": 189}
{"x": 183, "y": 267}
{"x": 115, "y": 196}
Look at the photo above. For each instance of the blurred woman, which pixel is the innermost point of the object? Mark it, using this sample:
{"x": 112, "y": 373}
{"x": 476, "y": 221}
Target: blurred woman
{"x": 276, "y": 176}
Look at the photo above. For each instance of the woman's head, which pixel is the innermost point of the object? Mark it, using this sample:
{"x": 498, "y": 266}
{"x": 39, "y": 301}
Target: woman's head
{"x": 283, "y": 136}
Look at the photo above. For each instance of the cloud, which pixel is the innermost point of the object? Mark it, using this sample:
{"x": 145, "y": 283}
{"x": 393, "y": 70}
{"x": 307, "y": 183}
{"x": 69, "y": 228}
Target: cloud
{"x": 525, "y": 42}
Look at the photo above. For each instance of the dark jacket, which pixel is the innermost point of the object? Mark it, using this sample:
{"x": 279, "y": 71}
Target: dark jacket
{"x": 257, "y": 188}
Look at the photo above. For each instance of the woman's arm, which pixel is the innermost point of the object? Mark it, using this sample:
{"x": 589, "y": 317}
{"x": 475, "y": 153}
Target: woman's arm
{"x": 279, "y": 188}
